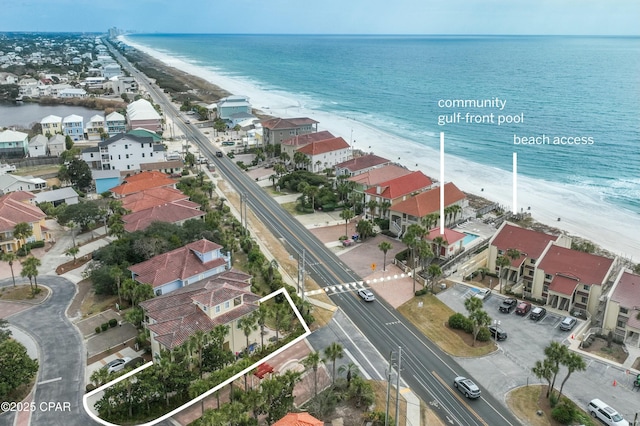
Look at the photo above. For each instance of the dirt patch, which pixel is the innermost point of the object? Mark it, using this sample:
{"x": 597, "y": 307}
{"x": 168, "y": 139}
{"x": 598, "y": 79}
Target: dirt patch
{"x": 614, "y": 353}
{"x": 636, "y": 364}
{"x": 73, "y": 264}
{"x": 526, "y": 402}
{"x": 24, "y": 293}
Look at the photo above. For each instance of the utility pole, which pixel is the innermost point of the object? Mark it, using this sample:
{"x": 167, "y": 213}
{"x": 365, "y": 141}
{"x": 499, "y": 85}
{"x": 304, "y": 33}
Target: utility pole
{"x": 301, "y": 273}
{"x": 386, "y": 414}
{"x": 398, "y": 386}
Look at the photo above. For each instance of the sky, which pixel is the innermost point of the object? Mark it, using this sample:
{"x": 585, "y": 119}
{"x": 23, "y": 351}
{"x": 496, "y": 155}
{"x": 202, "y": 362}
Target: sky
{"x": 541, "y": 17}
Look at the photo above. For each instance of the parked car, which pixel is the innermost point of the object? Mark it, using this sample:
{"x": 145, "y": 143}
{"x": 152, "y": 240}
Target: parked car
{"x": 117, "y": 364}
{"x": 508, "y": 305}
{"x": 538, "y": 313}
{"x": 219, "y": 154}
{"x": 497, "y": 331}
{"x": 568, "y": 323}
{"x": 483, "y": 293}
{"x": 467, "y": 387}
{"x": 366, "y": 295}
{"x": 606, "y": 414}
{"x": 523, "y": 308}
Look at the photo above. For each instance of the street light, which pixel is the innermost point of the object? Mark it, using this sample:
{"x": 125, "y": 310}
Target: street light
{"x": 496, "y": 323}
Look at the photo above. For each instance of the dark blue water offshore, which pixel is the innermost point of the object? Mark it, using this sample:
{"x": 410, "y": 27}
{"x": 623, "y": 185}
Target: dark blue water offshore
{"x": 563, "y": 87}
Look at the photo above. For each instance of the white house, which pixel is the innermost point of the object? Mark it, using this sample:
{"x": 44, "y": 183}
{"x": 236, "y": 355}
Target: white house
{"x": 38, "y": 146}
{"x": 232, "y": 105}
{"x": 12, "y": 183}
{"x": 123, "y": 152}
{"x": 72, "y": 93}
{"x": 115, "y": 123}
{"x": 57, "y": 145}
{"x": 94, "y": 127}
{"x": 111, "y": 70}
{"x": 326, "y": 154}
{"x": 13, "y": 144}
{"x": 142, "y": 115}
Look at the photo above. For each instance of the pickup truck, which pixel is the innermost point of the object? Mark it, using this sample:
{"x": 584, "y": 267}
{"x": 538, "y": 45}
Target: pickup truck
{"x": 508, "y": 305}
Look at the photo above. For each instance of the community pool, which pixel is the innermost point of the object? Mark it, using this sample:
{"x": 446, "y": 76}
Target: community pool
{"x": 468, "y": 238}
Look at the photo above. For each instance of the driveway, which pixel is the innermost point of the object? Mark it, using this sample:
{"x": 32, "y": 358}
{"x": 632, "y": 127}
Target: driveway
{"x": 61, "y": 357}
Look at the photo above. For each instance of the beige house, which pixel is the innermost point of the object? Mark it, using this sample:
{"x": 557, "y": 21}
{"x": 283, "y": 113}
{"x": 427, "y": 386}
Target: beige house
{"x": 276, "y": 130}
{"x": 622, "y": 310}
{"x": 51, "y": 125}
{"x": 15, "y": 208}
{"x": 220, "y": 300}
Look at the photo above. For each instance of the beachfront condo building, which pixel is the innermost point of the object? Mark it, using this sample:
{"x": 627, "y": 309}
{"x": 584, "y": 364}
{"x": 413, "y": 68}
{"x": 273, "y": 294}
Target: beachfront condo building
{"x": 622, "y": 308}
{"x": 277, "y": 130}
{"x": 326, "y": 154}
{"x": 231, "y": 105}
{"x": 386, "y": 194}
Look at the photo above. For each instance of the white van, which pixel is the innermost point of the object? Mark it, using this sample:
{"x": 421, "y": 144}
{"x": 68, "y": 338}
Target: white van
{"x": 606, "y": 414}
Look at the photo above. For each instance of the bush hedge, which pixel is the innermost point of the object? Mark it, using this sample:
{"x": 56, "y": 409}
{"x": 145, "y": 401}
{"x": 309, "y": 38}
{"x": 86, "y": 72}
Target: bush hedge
{"x": 113, "y": 322}
{"x": 104, "y": 326}
{"x": 457, "y": 321}
{"x": 483, "y": 335}
{"x": 98, "y": 329}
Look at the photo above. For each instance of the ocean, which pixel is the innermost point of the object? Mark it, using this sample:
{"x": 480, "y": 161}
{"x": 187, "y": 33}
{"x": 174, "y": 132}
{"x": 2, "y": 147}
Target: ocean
{"x": 484, "y": 92}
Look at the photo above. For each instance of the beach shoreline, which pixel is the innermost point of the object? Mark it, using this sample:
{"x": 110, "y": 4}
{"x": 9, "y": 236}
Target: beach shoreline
{"x": 556, "y": 206}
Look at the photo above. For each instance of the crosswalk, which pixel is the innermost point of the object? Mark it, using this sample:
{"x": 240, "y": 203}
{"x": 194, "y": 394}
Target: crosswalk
{"x": 353, "y": 286}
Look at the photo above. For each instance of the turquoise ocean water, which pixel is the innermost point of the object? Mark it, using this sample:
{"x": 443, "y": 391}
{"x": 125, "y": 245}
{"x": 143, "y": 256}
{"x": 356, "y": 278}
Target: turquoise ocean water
{"x": 556, "y": 86}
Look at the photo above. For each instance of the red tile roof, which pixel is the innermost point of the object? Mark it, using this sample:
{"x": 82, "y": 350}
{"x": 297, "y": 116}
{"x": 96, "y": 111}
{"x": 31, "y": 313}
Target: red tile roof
{"x": 287, "y": 123}
{"x": 170, "y": 213}
{"x": 302, "y": 140}
{"x": 324, "y": 146}
{"x": 450, "y": 236}
{"x": 529, "y": 243}
{"x": 142, "y": 181}
{"x": 381, "y": 174}
{"x": 429, "y": 201}
{"x": 587, "y": 268}
{"x": 180, "y": 263}
{"x": 563, "y": 284}
{"x": 177, "y": 316}
{"x": 152, "y": 197}
{"x": 14, "y": 209}
{"x": 298, "y": 419}
{"x": 362, "y": 163}
{"x": 399, "y": 187}
{"x": 627, "y": 291}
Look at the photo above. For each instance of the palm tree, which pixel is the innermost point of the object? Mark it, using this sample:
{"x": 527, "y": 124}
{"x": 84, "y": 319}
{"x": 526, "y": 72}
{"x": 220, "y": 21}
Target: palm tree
{"x": 501, "y": 262}
{"x": 9, "y": 257}
{"x": 199, "y": 340}
{"x": 364, "y": 228}
{"x": 72, "y": 251}
{"x": 385, "y": 246}
{"x": 196, "y": 389}
{"x": 312, "y": 191}
{"x": 455, "y": 209}
{"x": 573, "y": 362}
{"x": 439, "y": 241}
{"x": 347, "y": 215}
{"x": 412, "y": 237}
{"x": 30, "y": 270}
{"x": 351, "y": 371}
{"x": 116, "y": 274}
{"x": 282, "y": 318}
{"x": 261, "y": 319}
{"x": 384, "y": 207}
{"x": 371, "y": 205}
{"x": 248, "y": 325}
{"x": 333, "y": 352}
{"x": 22, "y": 231}
{"x": 313, "y": 361}
{"x": 513, "y": 254}
{"x": 433, "y": 273}
{"x": 430, "y": 220}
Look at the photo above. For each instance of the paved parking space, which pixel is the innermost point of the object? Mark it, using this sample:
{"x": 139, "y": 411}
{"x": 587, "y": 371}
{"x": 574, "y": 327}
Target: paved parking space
{"x": 124, "y": 352}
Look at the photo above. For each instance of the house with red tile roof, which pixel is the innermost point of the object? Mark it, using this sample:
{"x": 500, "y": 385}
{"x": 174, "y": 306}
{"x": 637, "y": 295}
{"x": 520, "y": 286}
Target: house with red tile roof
{"x": 176, "y": 213}
{"x": 222, "y": 299}
{"x": 299, "y": 419}
{"x": 622, "y": 308}
{"x": 530, "y": 244}
{"x": 17, "y": 207}
{"x": 445, "y": 245}
{"x": 326, "y": 154}
{"x": 181, "y": 267}
{"x": 291, "y": 145}
{"x": 414, "y": 209}
{"x": 153, "y": 197}
{"x": 276, "y": 130}
{"x": 396, "y": 190}
{"x": 142, "y": 181}
{"x": 359, "y": 165}
{"x": 571, "y": 280}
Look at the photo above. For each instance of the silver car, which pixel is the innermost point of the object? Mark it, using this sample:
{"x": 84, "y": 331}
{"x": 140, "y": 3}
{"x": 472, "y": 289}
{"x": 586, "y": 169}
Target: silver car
{"x": 568, "y": 323}
{"x": 467, "y": 387}
{"x": 366, "y": 295}
{"x": 117, "y": 364}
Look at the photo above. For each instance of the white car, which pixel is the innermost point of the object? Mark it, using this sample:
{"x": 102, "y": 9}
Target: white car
{"x": 117, "y": 364}
{"x": 482, "y": 293}
{"x": 366, "y": 295}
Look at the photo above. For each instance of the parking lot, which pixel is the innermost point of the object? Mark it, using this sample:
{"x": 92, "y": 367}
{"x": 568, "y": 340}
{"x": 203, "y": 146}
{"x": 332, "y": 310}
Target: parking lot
{"x": 510, "y": 366}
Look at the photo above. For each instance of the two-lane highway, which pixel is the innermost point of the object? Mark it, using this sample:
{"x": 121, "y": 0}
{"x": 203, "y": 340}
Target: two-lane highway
{"x": 425, "y": 368}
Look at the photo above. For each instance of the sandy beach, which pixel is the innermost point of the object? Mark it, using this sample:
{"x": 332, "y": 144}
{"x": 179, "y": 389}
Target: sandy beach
{"x": 580, "y": 213}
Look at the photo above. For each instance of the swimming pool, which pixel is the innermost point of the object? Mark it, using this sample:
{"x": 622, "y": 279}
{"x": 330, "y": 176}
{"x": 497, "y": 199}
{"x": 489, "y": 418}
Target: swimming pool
{"x": 468, "y": 238}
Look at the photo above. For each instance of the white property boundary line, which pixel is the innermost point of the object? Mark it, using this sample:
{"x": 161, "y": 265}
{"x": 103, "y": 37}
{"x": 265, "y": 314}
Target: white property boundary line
{"x": 307, "y": 332}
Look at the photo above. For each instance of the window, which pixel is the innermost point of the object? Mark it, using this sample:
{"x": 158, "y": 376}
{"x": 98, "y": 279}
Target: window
{"x": 127, "y": 156}
{"x": 119, "y": 157}
{"x": 620, "y": 324}
{"x": 533, "y": 261}
{"x": 227, "y": 304}
{"x": 585, "y": 287}
{"x": 624, "y": 310}
{"x": 143, "y": 155}
{"x": 92, "y": 155}
{"x": 547, "y": 277}
{"x": 584, "y": 299}
{"x": 126, "y": 146}
{"x": 217, "y": 309}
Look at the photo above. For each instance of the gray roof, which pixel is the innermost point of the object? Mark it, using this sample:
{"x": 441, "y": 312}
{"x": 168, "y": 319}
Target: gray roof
{"x": 105, "y": 174}
{"x": 38, "y": 140}
{"x": 55, "y": 195}
{"x": 126, "y": 136}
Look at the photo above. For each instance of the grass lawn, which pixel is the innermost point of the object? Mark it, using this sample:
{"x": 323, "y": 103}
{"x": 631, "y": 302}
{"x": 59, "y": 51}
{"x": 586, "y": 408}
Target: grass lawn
{"x": 291, "y": 208}
{"x": 431, "y": 320}
{"x": 526, "y": 401}
{"x": 23, "y": 292}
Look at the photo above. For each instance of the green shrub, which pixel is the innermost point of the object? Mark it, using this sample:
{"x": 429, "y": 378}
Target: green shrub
{"x": 113, "y": 322}
{"x": 483, "y": 335}
{"x": 563, "y": 413}
{"x": 468, "y": 326}
{"x": 36, "y": 244}
{"x": 422, "y": 292}
{"x": 98, "y": 329}
{"x": 104, "y": 326}
{"x": 457, "y": 321}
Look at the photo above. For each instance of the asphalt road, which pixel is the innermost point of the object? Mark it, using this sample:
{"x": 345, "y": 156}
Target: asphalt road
{"x": 61, "y": 357}
{"x": 425, "y": 368}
